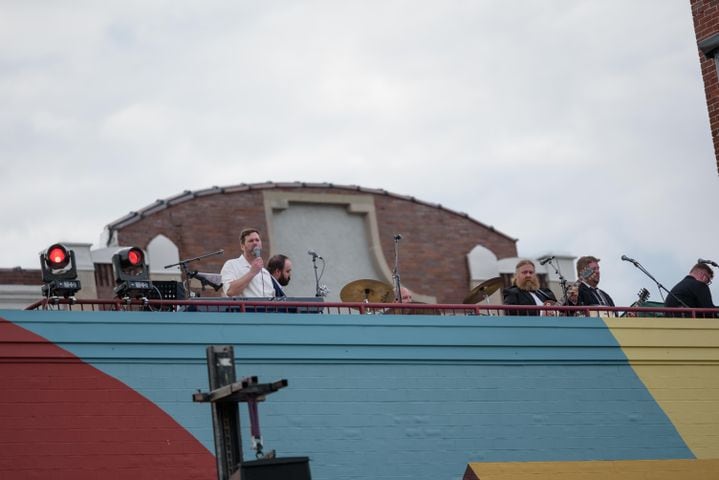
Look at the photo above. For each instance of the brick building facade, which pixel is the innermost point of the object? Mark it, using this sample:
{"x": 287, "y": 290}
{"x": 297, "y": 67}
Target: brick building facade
{"x": 434, "y": 249}
{"x": 706, "y": 26}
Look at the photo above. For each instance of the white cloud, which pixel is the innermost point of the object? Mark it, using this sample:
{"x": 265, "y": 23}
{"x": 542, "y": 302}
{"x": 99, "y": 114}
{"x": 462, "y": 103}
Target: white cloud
{"x": 576, "y": 126}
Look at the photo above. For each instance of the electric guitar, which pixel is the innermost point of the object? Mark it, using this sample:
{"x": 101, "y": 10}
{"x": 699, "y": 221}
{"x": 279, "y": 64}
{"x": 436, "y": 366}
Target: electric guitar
{"x": 643, "y": 296}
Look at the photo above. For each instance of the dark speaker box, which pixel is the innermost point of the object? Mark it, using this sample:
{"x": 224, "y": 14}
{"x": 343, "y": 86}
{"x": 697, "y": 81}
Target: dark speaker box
{"x": 166, "y": 290}
{"x": 170, "y": 290}
{"x": 289, "y": 468}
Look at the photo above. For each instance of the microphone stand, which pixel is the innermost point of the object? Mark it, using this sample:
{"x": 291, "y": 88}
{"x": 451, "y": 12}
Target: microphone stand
{"x": 395, "y": 272}
{"x": 187, "y": 274}
{"x": 317, "y": 278}
{"x": 562, "y": 280}
{"x": 320, "y": 290}
{"x": 660, "y": 287}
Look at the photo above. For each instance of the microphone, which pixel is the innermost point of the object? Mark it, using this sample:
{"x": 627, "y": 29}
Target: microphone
{"x": 257, "y": 251}
{"x": 398, "y": 236}
{"x": 710, "y": 262}
{"x": 627, "y": 259}
{"x": 546, "y": 260}
{"x": 314, "y": 254}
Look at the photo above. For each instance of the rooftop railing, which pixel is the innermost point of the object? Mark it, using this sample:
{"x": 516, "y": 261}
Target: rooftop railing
{"x": 221, "y": 305}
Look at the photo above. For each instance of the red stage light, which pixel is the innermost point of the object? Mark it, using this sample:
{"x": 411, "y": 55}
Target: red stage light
{"x": 132, "y": 274}
{"x": 59, "y": 274}
{"x": 135, "y": 257}
{"x": 57, "y": 257}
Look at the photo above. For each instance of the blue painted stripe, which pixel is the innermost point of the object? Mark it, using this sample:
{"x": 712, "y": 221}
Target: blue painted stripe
{"x": 324, "y": 337}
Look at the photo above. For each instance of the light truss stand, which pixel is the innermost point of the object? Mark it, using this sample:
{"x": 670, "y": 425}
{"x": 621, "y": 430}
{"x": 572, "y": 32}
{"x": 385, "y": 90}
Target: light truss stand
{"x": 225, "y": 394}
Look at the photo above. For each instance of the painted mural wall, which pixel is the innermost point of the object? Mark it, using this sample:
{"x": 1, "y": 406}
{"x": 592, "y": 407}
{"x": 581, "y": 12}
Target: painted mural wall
{"x": 90, "y": 394}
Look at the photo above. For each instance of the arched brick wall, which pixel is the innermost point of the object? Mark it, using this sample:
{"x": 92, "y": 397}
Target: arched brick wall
{"x": 433, "y": 251}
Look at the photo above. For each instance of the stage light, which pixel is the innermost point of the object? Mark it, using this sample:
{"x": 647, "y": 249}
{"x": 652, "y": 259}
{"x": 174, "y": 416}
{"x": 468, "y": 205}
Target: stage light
{"x": 59, "y": 272}
{"x": 132, "y": 275}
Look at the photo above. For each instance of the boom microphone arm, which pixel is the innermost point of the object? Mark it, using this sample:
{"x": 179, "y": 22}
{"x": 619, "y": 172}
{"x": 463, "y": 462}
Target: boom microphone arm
{"x": 188, "y": 274}
{"x": 661, "y": 287}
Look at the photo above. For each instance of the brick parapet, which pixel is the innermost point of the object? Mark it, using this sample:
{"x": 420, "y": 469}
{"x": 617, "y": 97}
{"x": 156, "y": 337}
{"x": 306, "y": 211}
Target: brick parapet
{"x": 20, "y": 276}
{"x": 705, "y": 14}
{"x": 434, "y": 249}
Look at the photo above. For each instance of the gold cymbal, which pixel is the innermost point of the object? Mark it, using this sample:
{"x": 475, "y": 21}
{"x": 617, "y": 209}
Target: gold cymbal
{"x": 484, "y": 290}
{"x": 372, "y": 291}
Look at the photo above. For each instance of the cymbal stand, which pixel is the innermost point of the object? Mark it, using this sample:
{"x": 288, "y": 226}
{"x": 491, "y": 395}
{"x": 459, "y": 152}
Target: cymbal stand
{"x": 395, "y": 273}
{"x": 368, "y": 311}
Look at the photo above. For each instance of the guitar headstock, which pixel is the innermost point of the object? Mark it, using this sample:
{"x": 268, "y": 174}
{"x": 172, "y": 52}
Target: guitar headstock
{"x": 586, "y": 273}
{"x": 643, "y": 295}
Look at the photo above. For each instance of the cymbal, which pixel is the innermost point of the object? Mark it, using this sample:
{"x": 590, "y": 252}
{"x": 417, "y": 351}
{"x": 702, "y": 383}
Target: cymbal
{"x": 373, "y": 291}
{"x": 484, "y": 290}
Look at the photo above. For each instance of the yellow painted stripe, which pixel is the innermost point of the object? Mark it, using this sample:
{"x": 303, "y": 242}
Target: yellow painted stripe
{"x": 596, "y": 470}
{"x": 677, "y": 359}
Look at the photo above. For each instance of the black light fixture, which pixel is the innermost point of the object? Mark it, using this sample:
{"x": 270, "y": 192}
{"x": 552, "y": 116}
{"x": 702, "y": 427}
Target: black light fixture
{"x": 132, "y": 275}
{"x": 59, "y": 272}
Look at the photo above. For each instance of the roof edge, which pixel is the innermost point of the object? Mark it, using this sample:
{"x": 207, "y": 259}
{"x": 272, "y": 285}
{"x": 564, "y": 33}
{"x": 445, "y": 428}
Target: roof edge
{"x": 186, "y": 195}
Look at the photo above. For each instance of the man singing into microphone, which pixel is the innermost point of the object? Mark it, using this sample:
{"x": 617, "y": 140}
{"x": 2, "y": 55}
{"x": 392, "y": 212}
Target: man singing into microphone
{"x": 525, "y": 291}
{"x": 693, "y": 290}
{"x": 246, "y": 275}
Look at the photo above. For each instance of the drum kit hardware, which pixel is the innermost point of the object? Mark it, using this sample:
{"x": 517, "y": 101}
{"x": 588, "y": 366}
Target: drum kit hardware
{"x": 484, "y": 290}
{"x": 375, "y": 291}
{"x": 367, "y": 291}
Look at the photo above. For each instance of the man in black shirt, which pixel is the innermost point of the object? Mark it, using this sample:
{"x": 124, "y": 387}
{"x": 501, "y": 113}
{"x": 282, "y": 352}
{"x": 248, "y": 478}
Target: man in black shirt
{"x": 525, "y": 290}
{"x": 280, "y": 268}
{"x": 693, "y": 291}
{"x": 588, "y": 292}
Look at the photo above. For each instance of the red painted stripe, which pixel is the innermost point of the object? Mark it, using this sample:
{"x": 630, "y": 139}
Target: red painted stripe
{"x": 62, "y": 418}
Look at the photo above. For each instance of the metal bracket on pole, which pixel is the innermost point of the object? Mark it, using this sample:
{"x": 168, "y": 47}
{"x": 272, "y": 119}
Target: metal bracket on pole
{"x": 224, "y": 395}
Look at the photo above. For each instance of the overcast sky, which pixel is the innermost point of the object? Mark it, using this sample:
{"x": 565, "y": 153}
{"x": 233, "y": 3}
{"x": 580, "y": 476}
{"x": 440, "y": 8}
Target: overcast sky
{"x": 578, "y": 127}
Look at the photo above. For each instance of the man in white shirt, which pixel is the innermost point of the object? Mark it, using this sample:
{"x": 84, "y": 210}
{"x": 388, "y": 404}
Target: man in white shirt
{"x": 246, "y": 275}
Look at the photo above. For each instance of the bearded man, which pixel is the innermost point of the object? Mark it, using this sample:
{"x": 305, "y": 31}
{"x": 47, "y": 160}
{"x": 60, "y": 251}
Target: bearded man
{"x": 280, "y": 268}
{"x": 525, "y": 290}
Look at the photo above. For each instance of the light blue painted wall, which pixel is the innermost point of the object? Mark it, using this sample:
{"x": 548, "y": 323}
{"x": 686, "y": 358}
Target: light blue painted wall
{"x": 390, "y": 397}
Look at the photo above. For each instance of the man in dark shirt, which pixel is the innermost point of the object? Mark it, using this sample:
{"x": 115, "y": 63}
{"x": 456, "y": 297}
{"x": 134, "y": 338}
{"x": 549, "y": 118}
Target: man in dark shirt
{"x": 588, "y": 292}
{"x": 693, "y": 291}
{"x": 280, "y": 268}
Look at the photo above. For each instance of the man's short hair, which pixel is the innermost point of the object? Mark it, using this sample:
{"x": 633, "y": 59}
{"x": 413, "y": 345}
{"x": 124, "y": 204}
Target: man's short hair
{"x": 247, "y": 231}
{"x": 584, "y": 261}
{"x": 705, "y": 267}
{"x": 277, "y": 262}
